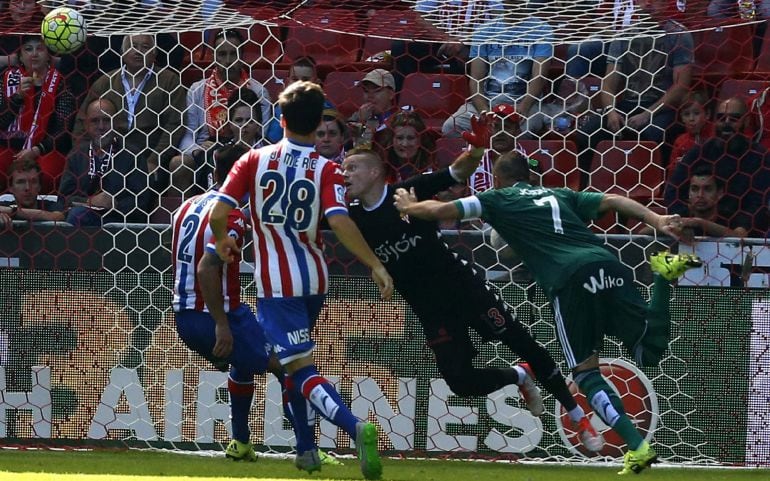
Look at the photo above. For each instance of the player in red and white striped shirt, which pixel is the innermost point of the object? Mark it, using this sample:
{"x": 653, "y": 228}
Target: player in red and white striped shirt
{"x": 290, "y": 188}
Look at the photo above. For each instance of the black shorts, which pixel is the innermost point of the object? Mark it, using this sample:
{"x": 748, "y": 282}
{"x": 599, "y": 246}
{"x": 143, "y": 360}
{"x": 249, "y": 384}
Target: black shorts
{"x": 457, "y": 303}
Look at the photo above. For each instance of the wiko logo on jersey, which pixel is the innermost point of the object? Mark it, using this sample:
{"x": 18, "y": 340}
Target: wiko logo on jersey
{"x": 604, "y": 282}
{"x": 299, "y": 336}
{"x": 639, "y": 400}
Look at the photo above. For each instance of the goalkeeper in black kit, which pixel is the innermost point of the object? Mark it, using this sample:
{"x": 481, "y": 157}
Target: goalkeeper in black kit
{"x": 446, "y": 293}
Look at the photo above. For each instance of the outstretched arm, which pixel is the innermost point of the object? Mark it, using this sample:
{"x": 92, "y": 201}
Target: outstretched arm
{"x": 479, "y": 139}
{"x": 406, "y": 203}
{"x": 670, "y": 225}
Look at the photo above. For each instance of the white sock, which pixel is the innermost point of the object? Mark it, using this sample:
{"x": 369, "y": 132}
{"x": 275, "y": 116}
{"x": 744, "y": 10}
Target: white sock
{"x": 576, "y": 414}
{"x": 522, "y": 374}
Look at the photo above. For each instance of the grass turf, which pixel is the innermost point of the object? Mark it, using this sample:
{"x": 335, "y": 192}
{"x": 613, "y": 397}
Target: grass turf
{"x": 133, "y": 465}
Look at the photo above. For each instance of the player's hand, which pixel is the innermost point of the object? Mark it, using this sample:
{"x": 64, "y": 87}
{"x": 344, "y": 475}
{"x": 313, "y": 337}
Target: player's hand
{"x": 403, "y": 199}
{"x": 482, "y": 127}
{"x": 224, "y": 344}
{"x": 383, "y": 281}
{"x": 227, "y": 249}
{"x": 671, "y": 225}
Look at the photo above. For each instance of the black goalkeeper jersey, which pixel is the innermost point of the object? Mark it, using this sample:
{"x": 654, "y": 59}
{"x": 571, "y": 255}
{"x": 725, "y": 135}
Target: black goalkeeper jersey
{"x": 423, "y": 267}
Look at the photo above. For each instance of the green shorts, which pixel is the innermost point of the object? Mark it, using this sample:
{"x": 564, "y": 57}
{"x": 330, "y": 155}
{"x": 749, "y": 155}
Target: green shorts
{"x": 599, "y": 299}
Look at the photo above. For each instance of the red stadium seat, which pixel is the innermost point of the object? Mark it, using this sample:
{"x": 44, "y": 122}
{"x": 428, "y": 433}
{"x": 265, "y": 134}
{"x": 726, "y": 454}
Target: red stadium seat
{"x": 162, "y": 214}
{"x": 434, "y": 96}
{"x": 447, "y": 150}
{"x": 746, "y": 89}
{"x": 627, "y": 168}
{"x": 558, "y": 161}
{"x": 343, "y": 92}
{"x": 273, "y": 80}
{"x": 308, "y": 35}
{"x": 763, "y": 59}
{"x": 724, "y": 50}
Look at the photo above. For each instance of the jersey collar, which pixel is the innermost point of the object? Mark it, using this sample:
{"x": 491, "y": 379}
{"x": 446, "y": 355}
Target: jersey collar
{"x": 379, "y": 202}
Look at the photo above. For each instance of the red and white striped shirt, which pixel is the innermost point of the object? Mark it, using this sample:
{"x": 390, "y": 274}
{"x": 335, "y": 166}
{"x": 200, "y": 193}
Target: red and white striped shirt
{"x": 191, "y": 235}
{"x": 290, "y": 187}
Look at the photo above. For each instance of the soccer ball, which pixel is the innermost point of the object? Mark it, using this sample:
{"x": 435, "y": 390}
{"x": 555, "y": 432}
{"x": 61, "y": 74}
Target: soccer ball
{"x": 63, "y": 30}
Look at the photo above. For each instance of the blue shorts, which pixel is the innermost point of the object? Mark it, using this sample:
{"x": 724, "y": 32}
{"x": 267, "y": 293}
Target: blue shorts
{"x": 251, "y": 350}
{"x": 288, "y": 322}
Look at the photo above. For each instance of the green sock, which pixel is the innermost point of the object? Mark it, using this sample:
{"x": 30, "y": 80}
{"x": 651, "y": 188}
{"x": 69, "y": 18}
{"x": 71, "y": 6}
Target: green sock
{"x": 660, "y": 300}
{"x": 608, "y": 407}
{"x": 658, "y": 335}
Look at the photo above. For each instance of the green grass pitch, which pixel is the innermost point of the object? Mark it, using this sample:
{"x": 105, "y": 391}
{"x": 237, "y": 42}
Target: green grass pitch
{"x": 136, "y": 465}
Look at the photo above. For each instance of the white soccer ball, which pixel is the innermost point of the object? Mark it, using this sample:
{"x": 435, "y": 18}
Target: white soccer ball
{"x": 63, "y": 30}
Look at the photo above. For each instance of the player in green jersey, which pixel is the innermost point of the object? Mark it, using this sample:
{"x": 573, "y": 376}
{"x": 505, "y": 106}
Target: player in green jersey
{"x": 591, "y": 291}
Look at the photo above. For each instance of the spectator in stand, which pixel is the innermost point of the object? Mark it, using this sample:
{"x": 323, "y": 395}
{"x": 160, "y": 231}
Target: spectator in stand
{"x": 406, "y": 145}
{"x": 504, "y": 73}
{"x": 740, "y": 163}
{"x": 695, "y": 118}
{"x": 301, "y": 69}
{"x": 102, "y": 182}
{"x": 379, "y": 104}
{"x": 206, "y": 114}
{"x": 703, "y": 213}
{"x": 449, "y": 57}
{"x": 331, "y": 136}
{"x": 36, "y": 112}
{"x": 151, "y": 102}
{"x": 24, "y": 202}
{"x": 244, "y": 123}
{"x": 25, "y": 15}
{"x": 656, "y": 73}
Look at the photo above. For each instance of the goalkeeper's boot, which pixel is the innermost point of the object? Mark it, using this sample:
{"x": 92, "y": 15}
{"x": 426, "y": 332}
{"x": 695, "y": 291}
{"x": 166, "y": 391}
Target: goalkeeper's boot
{"x": 637, "y": 460}
{"x": 366, "y": 445}
{"x": 308, "y": 461}
{"x": 328, "y": 459}
{"x": 592, "y": 440}
{"x": 530, "y": 392}
{"x": 672, "y": 266}
{"x": 240, "y": 451}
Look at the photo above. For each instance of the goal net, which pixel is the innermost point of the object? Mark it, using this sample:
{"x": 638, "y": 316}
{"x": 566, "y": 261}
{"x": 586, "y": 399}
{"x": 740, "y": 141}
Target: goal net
{"x": 601, "y": 91}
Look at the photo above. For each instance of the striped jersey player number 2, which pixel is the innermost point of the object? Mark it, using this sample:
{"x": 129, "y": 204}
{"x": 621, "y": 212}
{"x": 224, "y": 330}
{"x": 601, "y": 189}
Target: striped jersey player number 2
{"x": 189, "y": 228}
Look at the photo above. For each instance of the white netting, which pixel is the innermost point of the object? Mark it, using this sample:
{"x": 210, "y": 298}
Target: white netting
{"x": 95, "y": 314}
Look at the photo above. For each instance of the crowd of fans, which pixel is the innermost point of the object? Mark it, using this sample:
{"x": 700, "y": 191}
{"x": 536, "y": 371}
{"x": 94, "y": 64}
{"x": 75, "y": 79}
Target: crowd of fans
{"x": 109, "y": 146}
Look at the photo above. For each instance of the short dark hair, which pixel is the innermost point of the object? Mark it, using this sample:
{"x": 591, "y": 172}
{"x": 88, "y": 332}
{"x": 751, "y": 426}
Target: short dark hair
{"x": 512, "y": 166}
{"x": 244, "y": 96}
{"x": 229, "y": 32}
{"x": 706, "y": 170}
{"x": 302, "y": 105}
{"x": 226, "y": 157}
{"x": 22, "y": 166}
{"x": 306, "y": 61}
